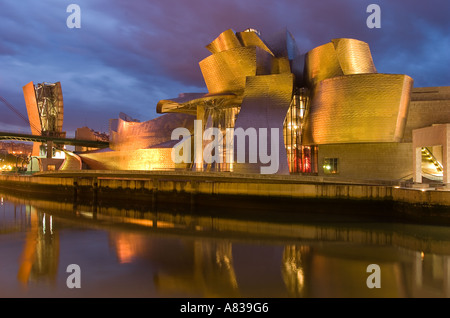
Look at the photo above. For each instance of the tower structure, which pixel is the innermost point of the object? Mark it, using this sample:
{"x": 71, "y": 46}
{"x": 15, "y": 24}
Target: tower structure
{"x": 45, "y": 109}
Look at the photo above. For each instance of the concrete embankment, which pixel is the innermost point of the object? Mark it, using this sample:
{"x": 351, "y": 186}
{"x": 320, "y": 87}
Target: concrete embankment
{"x": 197, "y": 188}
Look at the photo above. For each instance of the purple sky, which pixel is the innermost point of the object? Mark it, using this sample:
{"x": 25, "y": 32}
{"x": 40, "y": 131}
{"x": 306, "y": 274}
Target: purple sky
{"x": 128, "y": 55}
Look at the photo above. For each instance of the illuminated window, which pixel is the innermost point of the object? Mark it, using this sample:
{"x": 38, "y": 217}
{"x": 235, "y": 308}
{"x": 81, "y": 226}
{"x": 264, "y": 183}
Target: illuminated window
{"x": 299, "y": 157}
{"x": 330, "y": 165}
{"x": 51, "y": 167}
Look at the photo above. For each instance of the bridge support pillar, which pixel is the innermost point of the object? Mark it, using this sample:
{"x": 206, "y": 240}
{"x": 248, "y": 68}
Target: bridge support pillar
{"x": 49, "y": 149}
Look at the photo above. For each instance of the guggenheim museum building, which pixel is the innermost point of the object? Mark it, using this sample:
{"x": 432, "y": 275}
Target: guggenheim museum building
{"x": 271, "y": 109}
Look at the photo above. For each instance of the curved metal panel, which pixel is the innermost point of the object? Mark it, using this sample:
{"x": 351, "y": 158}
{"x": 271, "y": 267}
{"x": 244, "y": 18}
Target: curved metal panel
{"x": 339, "y": 57}
{"x": 139, "y": 159}
{"x": 354, "y": 56}
{"x": 227, "y": 71}
{"x": 266, "y": 101}
{"x": 252, "y": 39}
{"x": 133, "y": 135}
{"x": 322, "y": 63}
{"x": 358, "y": 108}
{"x": 225, "y": 41}
{"x": 281, "y": 65}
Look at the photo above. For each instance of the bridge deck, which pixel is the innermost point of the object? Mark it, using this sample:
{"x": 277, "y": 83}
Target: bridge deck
{"x": 55, "y": 140}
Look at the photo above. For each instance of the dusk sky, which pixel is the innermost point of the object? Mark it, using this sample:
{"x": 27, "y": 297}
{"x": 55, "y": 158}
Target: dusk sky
{"x": 128, "y": 55}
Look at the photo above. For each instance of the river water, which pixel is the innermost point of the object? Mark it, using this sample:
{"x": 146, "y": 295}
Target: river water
{"x": 58, "y": 249}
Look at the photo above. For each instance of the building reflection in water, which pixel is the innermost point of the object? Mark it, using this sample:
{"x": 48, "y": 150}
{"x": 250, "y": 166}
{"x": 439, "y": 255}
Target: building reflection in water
{"x": 209, "y": 272}
{"x": 39, "y": 260}
{"x": 192, "y": 267}
{"x": 127, "y": 246}
{"x": 293, "y": 269}
{"x": 340, "y": 271}
{"x": 190, "y": 256}
{"x": 431, "y": 275}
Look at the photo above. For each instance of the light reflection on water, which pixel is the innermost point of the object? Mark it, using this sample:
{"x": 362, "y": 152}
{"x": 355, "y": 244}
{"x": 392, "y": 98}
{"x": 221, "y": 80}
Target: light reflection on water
{"x": 128, "y": 253}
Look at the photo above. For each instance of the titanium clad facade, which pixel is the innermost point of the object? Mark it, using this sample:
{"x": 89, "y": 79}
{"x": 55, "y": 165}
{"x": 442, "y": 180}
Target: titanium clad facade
{"x": 139, "y": 145}
{"x": 249, "y": 87}
{"x": 326, "y": 112}
{"x": 139, "y": 159}
{"x": 133, "y": 135}
{"x": 331, "y": 108}
{"x": 227, "y": 71}
{"x": 266, "y": 82}
{"x": 248, "y": 38}
{"x": 354, "y": 56}
{"x": 225, "y": 41}
{"x": 358, "y": 108}
{"x": 266, "y": 102}
{"x": 322, "y": 63}
{"x": 336, "y": 58}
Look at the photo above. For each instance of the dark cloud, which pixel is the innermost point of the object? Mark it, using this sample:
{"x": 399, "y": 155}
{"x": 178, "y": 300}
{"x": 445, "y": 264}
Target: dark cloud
{"x": 130, "y": 54}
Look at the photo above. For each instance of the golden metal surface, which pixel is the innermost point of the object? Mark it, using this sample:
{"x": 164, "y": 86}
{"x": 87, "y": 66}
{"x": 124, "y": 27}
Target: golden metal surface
{"x": 252, "y": 39}
{"x": 132, "y": 135}
{"x": 225, "y": 41}
{"x": 266, "y": 102}
{"x": 354, "y": 56}
{"x": 246, "y": 79}
{"x": 349, "y": 102}
{"x": 358, "y": 108}
{"x": 281, "y": 65}
{"x": 322, "y": 63}
{"x": 226, "y": 71}
{"x": 338, "y": 57}
{"x": 139, "y": 159}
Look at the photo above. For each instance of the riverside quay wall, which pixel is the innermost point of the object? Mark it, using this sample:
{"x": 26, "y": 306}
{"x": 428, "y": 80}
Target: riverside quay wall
{"x": 219, "y": 190}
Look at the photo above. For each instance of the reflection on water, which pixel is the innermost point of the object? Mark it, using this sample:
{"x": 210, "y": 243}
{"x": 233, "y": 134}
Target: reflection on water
{"x": 39, "y": 260}
{"x": 139, "y": 253}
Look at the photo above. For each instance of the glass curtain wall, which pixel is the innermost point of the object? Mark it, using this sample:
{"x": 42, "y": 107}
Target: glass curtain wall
{"x": 301, "y": 159}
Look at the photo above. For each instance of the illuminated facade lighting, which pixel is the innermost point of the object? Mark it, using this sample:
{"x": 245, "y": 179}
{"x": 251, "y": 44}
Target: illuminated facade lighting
{"x": 330, "y": 102}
